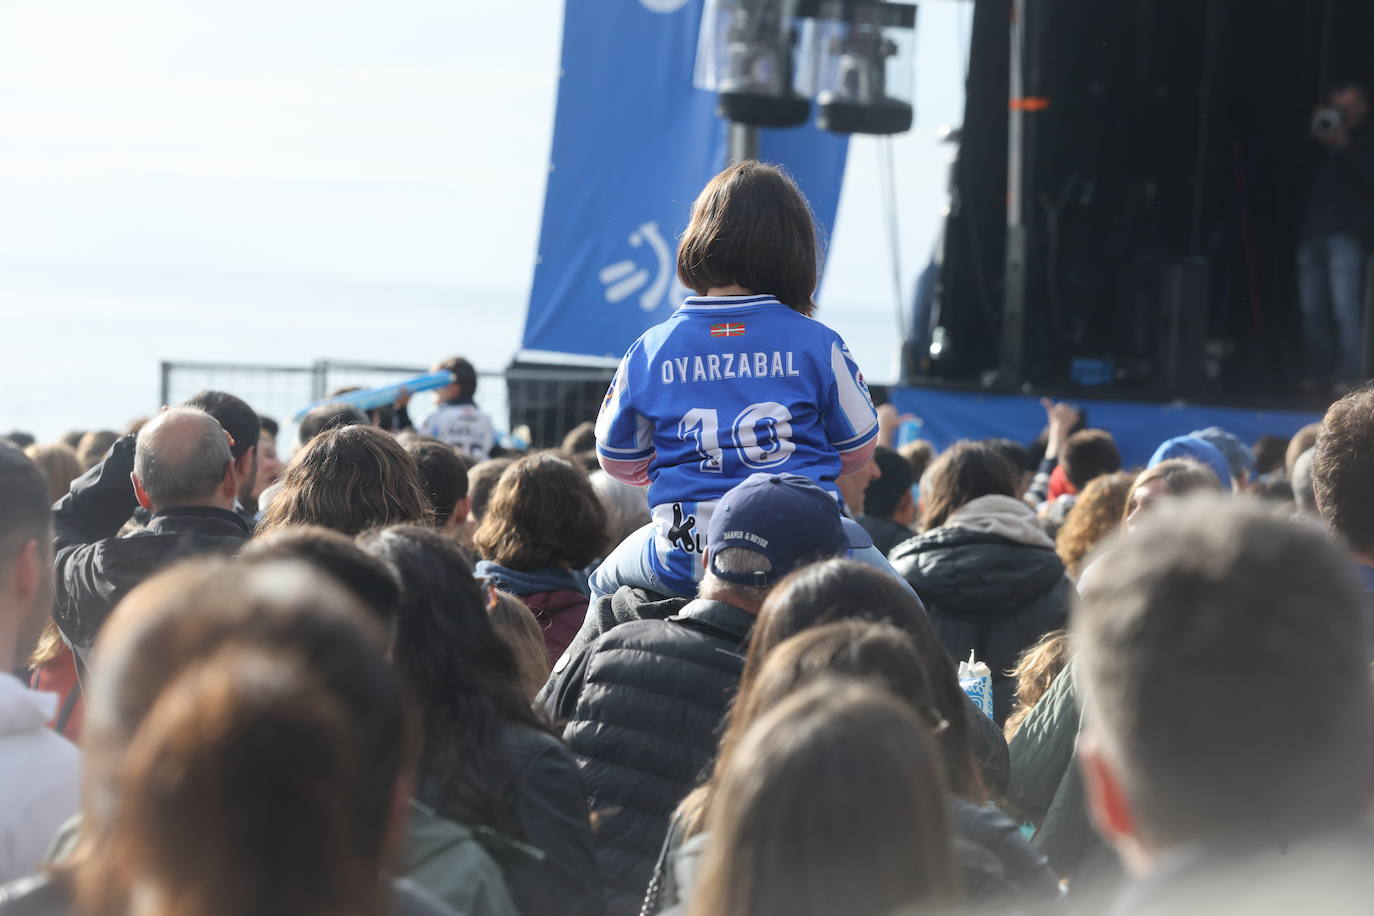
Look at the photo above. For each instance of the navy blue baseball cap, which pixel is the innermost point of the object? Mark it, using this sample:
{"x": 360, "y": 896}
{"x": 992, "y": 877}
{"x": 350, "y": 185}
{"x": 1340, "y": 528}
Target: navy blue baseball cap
{"x": 785, "y": 517}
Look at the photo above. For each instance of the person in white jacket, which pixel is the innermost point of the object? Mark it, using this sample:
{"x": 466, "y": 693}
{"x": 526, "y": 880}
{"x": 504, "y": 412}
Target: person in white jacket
{"x": 39, "y": 771}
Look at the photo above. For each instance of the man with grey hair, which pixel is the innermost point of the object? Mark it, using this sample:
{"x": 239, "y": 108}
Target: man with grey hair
{"x": 643, "y": 703}
{"x": 1226, "y": 745}
{"x": 180, "y": 469}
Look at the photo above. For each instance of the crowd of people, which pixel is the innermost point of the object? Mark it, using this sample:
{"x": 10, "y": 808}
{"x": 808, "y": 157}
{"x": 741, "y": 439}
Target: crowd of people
{"x": 403, "y": 672}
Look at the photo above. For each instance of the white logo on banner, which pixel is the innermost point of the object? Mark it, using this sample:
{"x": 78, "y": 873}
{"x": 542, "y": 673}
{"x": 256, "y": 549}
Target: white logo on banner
{"x": 663, "y": 6}
{"x": 625, "y": 278}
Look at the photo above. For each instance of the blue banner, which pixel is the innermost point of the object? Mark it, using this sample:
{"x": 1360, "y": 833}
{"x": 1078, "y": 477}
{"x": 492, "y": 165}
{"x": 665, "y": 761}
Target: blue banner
{"x": 633, "y": 143}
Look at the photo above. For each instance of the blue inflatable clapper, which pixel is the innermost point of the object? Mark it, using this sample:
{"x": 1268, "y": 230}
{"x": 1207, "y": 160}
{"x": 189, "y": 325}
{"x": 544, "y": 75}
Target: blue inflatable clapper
{"x": 976, "y": 679}
{"x": 384, "y": 395}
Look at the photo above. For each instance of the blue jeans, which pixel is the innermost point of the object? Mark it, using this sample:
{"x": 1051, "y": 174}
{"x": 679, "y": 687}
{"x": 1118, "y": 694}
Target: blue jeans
{"x": 1331, "y": 294}
{"x": 629, "y": 564}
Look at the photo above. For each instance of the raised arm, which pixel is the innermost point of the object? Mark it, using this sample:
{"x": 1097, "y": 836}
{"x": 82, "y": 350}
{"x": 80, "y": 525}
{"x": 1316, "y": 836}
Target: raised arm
{"x": 99, "y": 502}
{"x": 98, "y": 505}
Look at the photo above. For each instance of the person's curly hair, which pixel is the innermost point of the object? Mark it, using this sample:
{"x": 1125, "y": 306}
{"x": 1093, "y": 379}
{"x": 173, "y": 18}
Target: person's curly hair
{"x": 1095, "y": 514}
{"x": 1035, "y": 671}
{"x": 349, "y": 479}
{"x": 543, "y": 514}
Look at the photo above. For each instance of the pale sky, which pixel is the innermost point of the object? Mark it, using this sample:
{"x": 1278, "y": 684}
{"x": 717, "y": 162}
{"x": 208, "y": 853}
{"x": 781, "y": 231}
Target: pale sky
{"x": 405, "y": 141}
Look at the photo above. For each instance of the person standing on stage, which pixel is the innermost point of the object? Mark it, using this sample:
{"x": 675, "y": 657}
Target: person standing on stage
{"x": 1333, "y": 244}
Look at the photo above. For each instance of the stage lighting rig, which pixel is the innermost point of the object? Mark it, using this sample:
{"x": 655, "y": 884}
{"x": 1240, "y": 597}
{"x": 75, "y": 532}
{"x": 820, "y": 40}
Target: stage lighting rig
{"x": 767, "y": 59}
{"x": 866, "y": 66}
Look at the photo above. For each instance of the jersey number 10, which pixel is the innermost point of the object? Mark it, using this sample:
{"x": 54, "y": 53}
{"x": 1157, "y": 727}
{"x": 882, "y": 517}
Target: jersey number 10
{"x": 762, "y": 432}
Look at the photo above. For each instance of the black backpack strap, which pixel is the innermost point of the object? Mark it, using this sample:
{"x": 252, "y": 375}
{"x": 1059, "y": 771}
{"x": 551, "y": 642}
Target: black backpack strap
{"x": 68, "y": 705}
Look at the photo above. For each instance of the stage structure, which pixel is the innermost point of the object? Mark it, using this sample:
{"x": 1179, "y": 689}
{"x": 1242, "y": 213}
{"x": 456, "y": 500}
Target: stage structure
{"x": 1126, "y": 198}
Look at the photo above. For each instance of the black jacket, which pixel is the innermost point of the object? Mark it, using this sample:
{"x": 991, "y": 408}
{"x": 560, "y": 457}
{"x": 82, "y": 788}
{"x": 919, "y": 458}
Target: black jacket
{"x": 991, "y": 582}
{"x": 885, "y": 533}
{"x": 643, "y": 706}
{"x": 96, "y": 568}
{"x": 1340, "y": 198}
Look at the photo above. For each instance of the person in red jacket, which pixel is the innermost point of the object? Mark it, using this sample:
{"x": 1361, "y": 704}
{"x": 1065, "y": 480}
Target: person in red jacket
{"x": 543, "y": 526}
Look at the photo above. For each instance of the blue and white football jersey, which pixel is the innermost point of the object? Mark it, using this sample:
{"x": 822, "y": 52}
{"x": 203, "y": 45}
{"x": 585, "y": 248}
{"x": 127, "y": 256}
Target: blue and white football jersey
{"x": 727, "y": 387}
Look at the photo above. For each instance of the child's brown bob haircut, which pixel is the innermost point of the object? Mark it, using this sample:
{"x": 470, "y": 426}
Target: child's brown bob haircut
{"x": 751, "y": 227}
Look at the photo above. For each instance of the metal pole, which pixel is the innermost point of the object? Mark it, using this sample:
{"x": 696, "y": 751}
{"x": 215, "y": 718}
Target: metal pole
{"x": 166, "y": 384}
{"x": 319, "y": 379}
{"x": 1014, "y": 290}
{"x": 742, "y": 142}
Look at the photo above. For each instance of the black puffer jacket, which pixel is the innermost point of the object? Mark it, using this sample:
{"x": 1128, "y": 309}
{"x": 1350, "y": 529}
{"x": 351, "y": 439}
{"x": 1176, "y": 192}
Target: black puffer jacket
{"x": 992, "y": 584}
{"x": 643, "y": 706}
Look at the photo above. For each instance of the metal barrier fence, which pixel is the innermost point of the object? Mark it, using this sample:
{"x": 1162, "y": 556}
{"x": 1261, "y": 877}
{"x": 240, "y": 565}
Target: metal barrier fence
{"x": 546, "y": 400}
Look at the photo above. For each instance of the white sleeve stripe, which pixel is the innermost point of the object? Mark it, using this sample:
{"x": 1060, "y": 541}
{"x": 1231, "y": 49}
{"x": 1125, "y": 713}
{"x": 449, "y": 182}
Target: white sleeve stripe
{"x": 857, "y": 442}
{"x": 624, "y": 454}
{"x": 858, "y": 409}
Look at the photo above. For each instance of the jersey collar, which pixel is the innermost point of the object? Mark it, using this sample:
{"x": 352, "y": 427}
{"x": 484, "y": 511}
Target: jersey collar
{"x": 707, "y": 303}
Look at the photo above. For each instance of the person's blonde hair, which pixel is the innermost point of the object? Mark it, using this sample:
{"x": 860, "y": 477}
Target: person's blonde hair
{"x": 1035, "y": 670}
{"x": 1096, "y": 513}
{"x": 517, "y": 627}
{"x": 49, "y": 646}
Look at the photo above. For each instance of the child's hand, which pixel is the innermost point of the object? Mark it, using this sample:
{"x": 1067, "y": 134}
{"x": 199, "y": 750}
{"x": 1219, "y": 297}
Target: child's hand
{"x": 1062, "y": 419}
